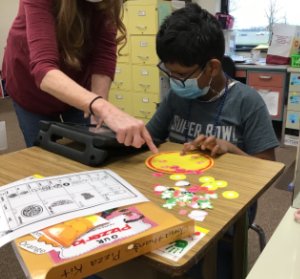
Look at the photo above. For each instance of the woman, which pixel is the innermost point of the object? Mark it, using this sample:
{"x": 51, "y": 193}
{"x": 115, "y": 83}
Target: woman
{"x": 59, "y": 64}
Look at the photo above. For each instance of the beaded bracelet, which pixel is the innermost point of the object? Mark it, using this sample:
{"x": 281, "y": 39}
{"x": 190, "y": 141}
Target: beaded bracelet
{"x": 91, "y": 103}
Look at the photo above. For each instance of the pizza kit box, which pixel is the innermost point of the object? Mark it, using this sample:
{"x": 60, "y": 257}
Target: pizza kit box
{"x": 113, "y": 243}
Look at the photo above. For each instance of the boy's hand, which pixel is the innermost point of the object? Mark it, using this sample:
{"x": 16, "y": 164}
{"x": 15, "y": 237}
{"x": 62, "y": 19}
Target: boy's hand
{"x": 202, "y": 142}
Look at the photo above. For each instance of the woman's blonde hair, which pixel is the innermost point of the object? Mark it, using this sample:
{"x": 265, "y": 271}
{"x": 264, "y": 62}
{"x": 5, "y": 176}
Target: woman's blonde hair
{"x": 73, "y": 26}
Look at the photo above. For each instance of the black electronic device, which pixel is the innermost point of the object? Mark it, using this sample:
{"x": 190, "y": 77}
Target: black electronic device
{"x": 87, "y": 144}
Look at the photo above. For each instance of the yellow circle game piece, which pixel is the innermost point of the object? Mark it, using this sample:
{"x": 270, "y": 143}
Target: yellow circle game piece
{"x": 221, "y": 183}
{"x": 230, "y": 194}
{"x": 206, "y": 179}
{"x": 210, "y": 185}
{"x": 174, "y": 163}
{"x": 177, "y": 176}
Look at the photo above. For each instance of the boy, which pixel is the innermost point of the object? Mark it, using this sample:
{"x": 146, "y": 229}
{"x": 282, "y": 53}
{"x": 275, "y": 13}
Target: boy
{"x": 206, "y": 109}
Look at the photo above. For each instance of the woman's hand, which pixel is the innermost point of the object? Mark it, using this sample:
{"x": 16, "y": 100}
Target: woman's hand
{"x": 129, "y": 130}
{"x": 297, "y": 215}
{"x": 95, "y": 120}
{"x": 202, "y": 142}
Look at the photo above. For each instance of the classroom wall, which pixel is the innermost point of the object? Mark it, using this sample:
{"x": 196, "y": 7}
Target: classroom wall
{"x": 8, "y": 10}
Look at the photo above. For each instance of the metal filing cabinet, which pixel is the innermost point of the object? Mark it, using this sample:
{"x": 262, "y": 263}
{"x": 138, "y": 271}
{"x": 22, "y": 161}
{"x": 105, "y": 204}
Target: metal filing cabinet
{"x": 138, "y": 86}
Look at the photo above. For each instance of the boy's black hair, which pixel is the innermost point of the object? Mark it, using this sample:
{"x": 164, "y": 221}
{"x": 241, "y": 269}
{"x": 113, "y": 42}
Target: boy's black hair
{"x": 190, "y": 36}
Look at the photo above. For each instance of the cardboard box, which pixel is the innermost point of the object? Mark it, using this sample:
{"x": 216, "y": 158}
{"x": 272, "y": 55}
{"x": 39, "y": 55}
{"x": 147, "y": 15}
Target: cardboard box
{"x": 167, "y": 229}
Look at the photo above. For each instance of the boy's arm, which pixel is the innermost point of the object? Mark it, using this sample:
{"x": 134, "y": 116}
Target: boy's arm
{"x": 267, "y": 154}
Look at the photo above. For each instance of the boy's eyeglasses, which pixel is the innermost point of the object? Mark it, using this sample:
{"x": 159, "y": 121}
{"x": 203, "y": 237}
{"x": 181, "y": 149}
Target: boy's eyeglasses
{"x": 177, "y": 80}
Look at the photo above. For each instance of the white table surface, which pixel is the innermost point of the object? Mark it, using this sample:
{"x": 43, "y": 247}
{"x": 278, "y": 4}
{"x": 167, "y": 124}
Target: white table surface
{"x": 281, "y": 257}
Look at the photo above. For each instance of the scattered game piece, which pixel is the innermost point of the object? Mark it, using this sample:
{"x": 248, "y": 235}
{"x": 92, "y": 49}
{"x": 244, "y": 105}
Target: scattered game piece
{"x": 167, "y": 194}
{"x": 195, "y": 196}
{"x": 183, "y": 212}
{"x": 160, "y": 188}
{"x": 169, "y": 204}
{"x": 194, "y": 205}
{"x": 210, "y": 185}
{"x": 182, "y": 183}
{"x": 198, "y": 215}
{"x": 194, "y": 189}
{"x": 230, "y": 194}
{"x": 205, "y": 204}
{"x": 206, "y": 179}
{"x": 211, "y": 196}
{"x": 174, "y": 162}
{"x": 157, "y": 174}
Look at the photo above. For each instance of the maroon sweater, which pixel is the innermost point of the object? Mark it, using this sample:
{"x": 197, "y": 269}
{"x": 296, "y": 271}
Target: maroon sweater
{"x": 32, "y": 51}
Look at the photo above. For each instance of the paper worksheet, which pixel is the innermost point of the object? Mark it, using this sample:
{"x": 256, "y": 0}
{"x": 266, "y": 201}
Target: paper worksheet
{"x": 271, "y": 99}
{"x": 32, "y": 204}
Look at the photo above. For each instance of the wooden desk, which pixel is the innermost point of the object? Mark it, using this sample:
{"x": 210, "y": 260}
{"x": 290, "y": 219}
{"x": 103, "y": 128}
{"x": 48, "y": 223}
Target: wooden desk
{"x": 249, "y": 176}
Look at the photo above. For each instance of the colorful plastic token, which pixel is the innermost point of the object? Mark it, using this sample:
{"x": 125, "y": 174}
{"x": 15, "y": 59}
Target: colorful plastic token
{"x": 157, "y": 174}
{"x": 221, "y": 183}
{"x": 206, "y": 179}
{"x": 230, "y": 194}
{"x": 210, "y": 186}
{"x": 182, "y": 183}
{"x": 160, "y": 188}
{"x": 198, "y": 215}
{"x": 174, "y": 163}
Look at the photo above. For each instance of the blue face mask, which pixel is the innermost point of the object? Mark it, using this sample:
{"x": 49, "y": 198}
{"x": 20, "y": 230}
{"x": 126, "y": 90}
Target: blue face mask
{"x": 191, "y": 89}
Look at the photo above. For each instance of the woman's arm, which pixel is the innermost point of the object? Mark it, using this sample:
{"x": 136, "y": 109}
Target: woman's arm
{"x": 101, "y": 85}
{"x": 130, "y": 131}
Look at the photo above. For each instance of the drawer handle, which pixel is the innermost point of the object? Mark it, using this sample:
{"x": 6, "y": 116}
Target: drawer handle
{"x": 145, "y": 112}
{"x": 141, "y": 27}
{"x": 265, "y": 77}
{"x": 119, "y": 97}
{"x": 144, "y": 58}
{"x": 118, "y": 83}
{"x": 144, "y": 86}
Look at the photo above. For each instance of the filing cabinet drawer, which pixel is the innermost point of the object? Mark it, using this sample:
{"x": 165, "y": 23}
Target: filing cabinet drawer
{"x": 265, "y": 79}
{"x": 122, "y": 79}
{"x": 124, "y": 53}
{"x": 143, "y": 50}
{"x": 294, "y": 101}
{"x": 273, "y": 97}
{"x": 122, "y": 100}
{"x": 292, "y": 120}
{"x": 294, "y": 84}
{"x": 146, "y": 79}
{"x": 142, "y": 19}
{"x": 144, "y": 105}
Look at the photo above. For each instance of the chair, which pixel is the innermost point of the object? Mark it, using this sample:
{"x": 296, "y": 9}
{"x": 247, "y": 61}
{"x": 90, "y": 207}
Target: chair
{"x": 229, "y": 68}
